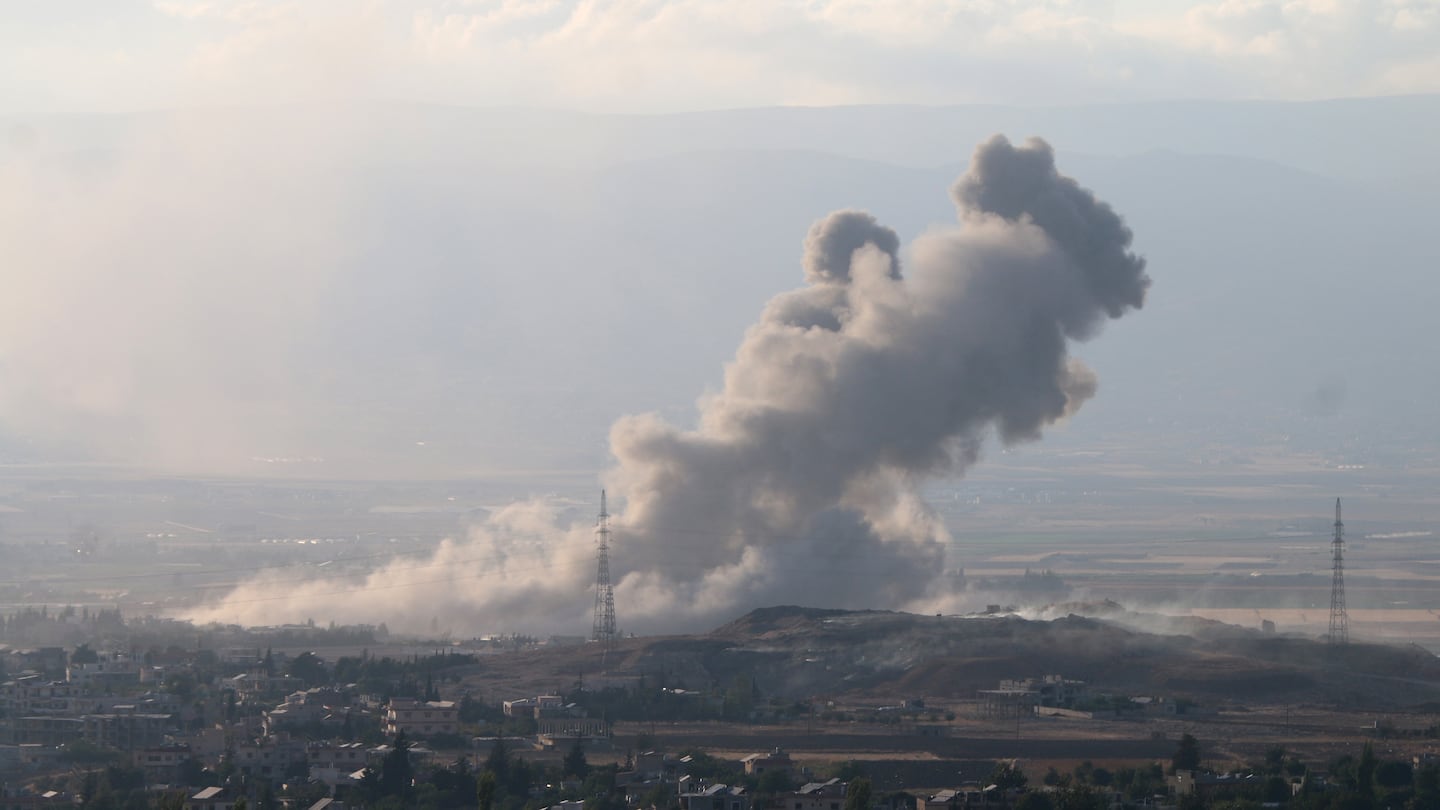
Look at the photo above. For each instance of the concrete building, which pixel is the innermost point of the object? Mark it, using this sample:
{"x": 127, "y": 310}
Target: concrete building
{"x": 161, "y": 763}
{"x": 34, "y": 801}
{"x": 1052, "y": 691}
{"x": 327, "y": 708}
{"x": 211, "y": 798}
{"x": 715, "y": 797}
{"x": 759, "y": 764}
{"x": 829, "y": 795}
{"x": 258, "y": 685}
{"x": 336, "y": 763}
{"x": 125, "y": 730}
{"x": 416, "y": 717}
{"x": 46, "y": 730}
{"x": 111, "y": 670}
{"x": 33, "y": 695}
{"x": 572, "y": 727}
{"x": 269, "y": 758}
{"x": 944, "y": 800}
{"x": 538, "y": 707}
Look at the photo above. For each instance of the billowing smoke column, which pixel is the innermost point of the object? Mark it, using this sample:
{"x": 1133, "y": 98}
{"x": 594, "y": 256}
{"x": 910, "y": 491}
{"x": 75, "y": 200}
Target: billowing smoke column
{"x": 800, "y": 482}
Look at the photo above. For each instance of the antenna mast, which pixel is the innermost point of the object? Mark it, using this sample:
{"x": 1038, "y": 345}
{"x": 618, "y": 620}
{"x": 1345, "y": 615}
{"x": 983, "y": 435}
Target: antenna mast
{"x": 603, "y": 629}
{"x": 1339, "y": 619}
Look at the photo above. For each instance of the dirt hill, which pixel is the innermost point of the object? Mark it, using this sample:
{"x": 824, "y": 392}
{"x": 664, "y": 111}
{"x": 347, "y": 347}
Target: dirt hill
{"x": 796, "y": 652}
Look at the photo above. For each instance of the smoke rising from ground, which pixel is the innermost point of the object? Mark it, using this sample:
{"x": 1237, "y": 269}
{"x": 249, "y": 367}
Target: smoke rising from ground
{"x": 799, "y": 483}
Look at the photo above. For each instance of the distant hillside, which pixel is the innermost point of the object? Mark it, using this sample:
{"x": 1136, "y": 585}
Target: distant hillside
{"x": 796, "y": 652}
{"x": 466, "y": 248}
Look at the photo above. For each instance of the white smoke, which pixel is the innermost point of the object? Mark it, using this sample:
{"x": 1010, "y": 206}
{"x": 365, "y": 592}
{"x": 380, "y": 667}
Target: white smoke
{"x": 800, "y": 482}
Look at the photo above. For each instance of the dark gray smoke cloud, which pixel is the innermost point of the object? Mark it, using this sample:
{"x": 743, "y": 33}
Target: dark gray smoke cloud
{"x": 831, "y": 244}
{"x": 800, "y": 482}
{"x": 802, "y": 474}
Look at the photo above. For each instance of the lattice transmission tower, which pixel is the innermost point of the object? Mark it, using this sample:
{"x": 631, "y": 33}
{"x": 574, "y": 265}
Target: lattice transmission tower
{"x": 1339, "y": 619}
{"x": 603, "y": 628}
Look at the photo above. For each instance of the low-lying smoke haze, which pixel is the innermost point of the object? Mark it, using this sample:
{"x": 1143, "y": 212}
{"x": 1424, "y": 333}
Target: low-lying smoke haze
{"x": 800, "y": 481}
{"x": 166, "y": 300}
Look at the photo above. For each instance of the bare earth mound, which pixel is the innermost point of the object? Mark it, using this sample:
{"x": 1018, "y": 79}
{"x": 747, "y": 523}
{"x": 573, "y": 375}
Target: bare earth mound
{"x": 796, "y": 652}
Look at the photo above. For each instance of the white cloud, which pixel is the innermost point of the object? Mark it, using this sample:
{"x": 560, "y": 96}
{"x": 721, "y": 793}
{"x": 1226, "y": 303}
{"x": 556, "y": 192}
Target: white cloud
{"x": 645, "y": 55}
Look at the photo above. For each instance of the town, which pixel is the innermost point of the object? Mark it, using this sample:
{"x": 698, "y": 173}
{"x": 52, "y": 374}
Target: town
{"x": 185, "y": 716}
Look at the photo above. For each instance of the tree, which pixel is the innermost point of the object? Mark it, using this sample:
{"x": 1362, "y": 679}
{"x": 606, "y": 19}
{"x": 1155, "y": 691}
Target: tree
{"x": 308, "y": 667}
{"x": 857, "y": 795}
{"x": 1365, "y": 771}
{"x": 396, "y": 772}
{"x": 485, "y": 790}
{"x": 498, "y": 762}
{"x": 775, "y": 781}
{"x": 1427, "y": 787}
{"x": 1187, "y": 756}
{"x": 455, "y": 786}
{"x": 1274, "y": 759}
{"x": 191, "y": 772}
{"x": 1034, "y": 800}
{"x": 575, "y": 764}
{"x": 1394, "y": 774}
{"x": 1277, "y": 790}
{"x": 1007, "y": 777}
{"x": 1079, "y": 797}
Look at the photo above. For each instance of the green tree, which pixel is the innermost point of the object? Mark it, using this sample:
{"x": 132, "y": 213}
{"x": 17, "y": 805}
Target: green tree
{"x": 498, "y": 762}
{"x": 857, "y": 795}
{"x": 575, "y": 764}
{"x": 775, "y": 781}
{"x": 1365, "y": 771}
{"x": 1277, "y": 790}
{"x": 485, "y": 790}
{"x": 396, "y": 773}
{"x": 1274, "y": 759}
{"x": 1394, "y": 774}
{"x": 1187, "y": 756}
{"x": 1079, "y": 797}
{"x": 1427, "y": 788}
{"x": 660, "y": 796}
{"x": 1034, "y": 800}
{"x": 308, "y": 667}
{"x": 1007, "y": 776}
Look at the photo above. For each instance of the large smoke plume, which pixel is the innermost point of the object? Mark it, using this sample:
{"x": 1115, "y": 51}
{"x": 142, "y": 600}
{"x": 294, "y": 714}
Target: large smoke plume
{"x": 799, "y": 483}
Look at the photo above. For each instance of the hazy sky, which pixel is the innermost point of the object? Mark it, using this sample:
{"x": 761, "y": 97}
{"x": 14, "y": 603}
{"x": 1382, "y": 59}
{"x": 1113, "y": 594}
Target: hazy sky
{"x": 649, "y": 55}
